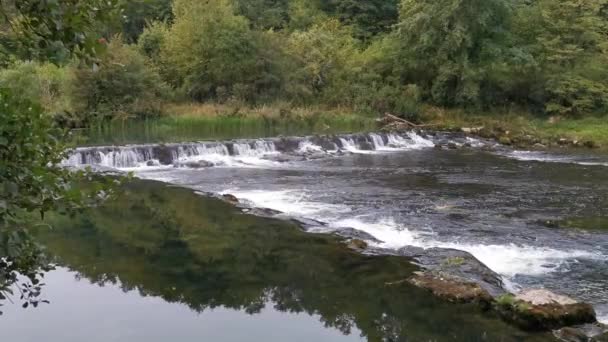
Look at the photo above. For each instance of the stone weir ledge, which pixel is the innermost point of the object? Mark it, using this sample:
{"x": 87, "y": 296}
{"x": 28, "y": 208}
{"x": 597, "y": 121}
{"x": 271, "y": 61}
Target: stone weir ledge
{"x": 458, "y": 277}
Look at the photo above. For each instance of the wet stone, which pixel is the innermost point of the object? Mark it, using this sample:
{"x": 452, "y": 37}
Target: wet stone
{"x": 451, "y": 288}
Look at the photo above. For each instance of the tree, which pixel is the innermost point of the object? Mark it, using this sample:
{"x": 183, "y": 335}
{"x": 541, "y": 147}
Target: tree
{"x": 264, "y": 14}
{"x": 136, "y": 14}
{"x": 55, "y": 30}
{"x": 573, "y": 49}
{"x": 210, "y": 52}
{"x": 444, "y": 43}
{"x": 123, "y": 86}
{"x": 31, "y": 147}
{"x": 321, "y": 55}
{"x": 368, "y": 17}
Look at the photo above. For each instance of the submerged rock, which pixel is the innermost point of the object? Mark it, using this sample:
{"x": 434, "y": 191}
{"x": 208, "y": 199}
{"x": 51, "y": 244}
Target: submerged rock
{"x": 543, "y": 310}
{"x": 583, "y": 333}
{"x": 451, "y": 288}
{"x": 164, "y": 154}
{"x": 264, "y": 212}
{"x": 194, "y": 164}
{"x": 357, "y": 244}
{"x": 230, "y": 199}
{"x": 352, "y": 233}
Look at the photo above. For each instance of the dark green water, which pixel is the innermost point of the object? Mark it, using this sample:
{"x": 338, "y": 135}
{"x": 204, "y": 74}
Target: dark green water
{"x": 162, "y": 263}
{"x": 180, "y": 129}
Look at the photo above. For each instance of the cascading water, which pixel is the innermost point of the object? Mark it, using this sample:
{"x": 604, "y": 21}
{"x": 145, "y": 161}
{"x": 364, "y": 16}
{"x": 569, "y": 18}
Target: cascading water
{"x": 240, "y": 152}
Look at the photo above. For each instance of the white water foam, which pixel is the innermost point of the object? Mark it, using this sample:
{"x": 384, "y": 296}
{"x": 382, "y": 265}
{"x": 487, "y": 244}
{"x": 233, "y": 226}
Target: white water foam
{"x": 550, "y": 158}
{"x": 508, "y": 260}
{"x": 306, "y": 146}
{"x": 348, "y": 144}
{"x": 291, "y": 202}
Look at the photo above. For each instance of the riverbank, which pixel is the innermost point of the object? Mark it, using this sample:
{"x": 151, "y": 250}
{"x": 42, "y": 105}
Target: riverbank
{"x": 523, "y": 129}
{"x": 196, "y": 121}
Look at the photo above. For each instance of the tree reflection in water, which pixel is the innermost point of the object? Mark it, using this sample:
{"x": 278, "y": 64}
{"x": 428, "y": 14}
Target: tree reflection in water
{"x": 171, "y": 243}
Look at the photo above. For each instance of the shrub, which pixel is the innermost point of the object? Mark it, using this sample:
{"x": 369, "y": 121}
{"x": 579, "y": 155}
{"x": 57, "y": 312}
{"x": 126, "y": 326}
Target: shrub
{"x": 42, "y": 83}
{"x": 124, "y": 85}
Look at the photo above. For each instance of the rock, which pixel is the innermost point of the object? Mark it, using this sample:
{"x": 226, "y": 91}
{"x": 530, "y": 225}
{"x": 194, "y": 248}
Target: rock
{"x": 230, "y": 199}
{"x": 194, "y": 164}
{"x": 590, "y": 144}
{"x": 264, "y": 212}
{"x": 539, "y": 146}
{"x": 456, "y": 263}
{"x": 466, "y": 130}
{"x": 307, "y": 224}
{"x": 563, "y": 141}
{"x": 452, "y": 145}
{"x": 352, "y": 233}
{"x": 505, "y": 140}
{"x": 570, "y": 334}
{"x": 451, "y": 288}
{"x": 596, "y": 332}
{"x": 164, "y": 154}
{"x": 543, "y": 310}
{"x": 357, "y": 244}
{"x": 543, "y": 297}
{"x": 151, "y": 163}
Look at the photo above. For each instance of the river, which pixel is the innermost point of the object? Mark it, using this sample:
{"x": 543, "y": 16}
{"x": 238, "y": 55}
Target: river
{"x": 539, "y": 219}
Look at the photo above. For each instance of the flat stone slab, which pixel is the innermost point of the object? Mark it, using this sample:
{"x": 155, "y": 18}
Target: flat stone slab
{"x": 544, "y": 297}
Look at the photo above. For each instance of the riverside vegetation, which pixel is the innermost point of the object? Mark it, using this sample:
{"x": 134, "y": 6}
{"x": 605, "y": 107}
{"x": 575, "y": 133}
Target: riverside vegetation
{"x": 510, "y": 64}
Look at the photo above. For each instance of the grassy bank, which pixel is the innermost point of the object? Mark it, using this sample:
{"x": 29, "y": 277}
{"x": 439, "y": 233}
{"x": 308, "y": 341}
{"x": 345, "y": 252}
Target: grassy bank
{"x": 203, "y": 121}
{"x": 524, "y": 128}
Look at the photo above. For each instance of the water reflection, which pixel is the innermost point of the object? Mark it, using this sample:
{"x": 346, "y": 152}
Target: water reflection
{"x": 157, "y": 242}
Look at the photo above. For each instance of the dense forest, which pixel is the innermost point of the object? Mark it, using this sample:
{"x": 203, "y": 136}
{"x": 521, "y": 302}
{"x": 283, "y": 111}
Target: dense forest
{"x": 541, "y": 56}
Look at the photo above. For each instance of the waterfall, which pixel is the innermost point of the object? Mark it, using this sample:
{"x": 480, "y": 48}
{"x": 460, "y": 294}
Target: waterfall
{"x": 241, "y": 151}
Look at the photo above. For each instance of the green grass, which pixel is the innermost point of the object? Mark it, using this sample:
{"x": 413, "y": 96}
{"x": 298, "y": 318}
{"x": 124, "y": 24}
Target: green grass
{"x": 592, "y": 128}
{"x": 514, "y": 124}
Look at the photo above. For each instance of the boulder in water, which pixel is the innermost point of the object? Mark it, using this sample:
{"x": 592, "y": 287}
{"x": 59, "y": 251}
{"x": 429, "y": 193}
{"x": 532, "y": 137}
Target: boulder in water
{"x": 451, "y": 288}
{"x": 542, "y": 310}
{"x": 357, "y": 244}
{"x": 194, "y": 164}
{"x": 352, "y": 233}
{"x": 230, "y": 199}
{"x": 164, "y": 154}
{"x": 596, "y": 332}
{"x": 457, "y": 264}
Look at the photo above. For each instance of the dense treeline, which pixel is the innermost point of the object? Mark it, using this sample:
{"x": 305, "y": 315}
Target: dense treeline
{"x": 544, "y": 56}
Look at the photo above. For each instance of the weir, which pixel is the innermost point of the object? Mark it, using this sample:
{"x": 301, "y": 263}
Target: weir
{"x": 131, "y": 156}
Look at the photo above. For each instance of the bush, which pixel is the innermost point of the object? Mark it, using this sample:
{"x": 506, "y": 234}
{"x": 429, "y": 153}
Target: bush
{"x": 42, "y": 83}
{"x": 124, "y": 85}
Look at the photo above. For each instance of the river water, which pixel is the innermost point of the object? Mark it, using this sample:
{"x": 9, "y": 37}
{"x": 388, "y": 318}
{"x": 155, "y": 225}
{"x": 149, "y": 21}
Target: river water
{"x": 506, "y": 207}
{"x": 539, "y": 219}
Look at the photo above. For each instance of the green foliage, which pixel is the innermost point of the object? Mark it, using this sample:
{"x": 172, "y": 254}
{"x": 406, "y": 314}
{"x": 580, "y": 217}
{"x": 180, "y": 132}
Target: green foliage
{"x": 123, "y": 85}
{"x": 136, "y": 14}
{"x": 210, "y": 52}
{"x": 368, "y": 17}
{"x": 42, "y": 83}
{"x": 32, "y": 182}
{"x": 321, "y": 55}
{"x": 264, "y": 14}
{"x": 55, "y": 30}
{"x": 445, "y": 43}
